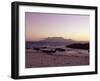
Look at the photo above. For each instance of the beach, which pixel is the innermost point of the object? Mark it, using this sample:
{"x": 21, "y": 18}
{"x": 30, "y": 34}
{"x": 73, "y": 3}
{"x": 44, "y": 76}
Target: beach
{"x": 34, "y": 59}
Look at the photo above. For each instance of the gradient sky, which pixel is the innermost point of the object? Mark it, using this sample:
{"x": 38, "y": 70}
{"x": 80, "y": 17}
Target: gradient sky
{"x": 69, "y": 26}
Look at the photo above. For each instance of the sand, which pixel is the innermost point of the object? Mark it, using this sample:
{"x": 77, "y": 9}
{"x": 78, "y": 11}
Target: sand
{"x": 38, "y": 59}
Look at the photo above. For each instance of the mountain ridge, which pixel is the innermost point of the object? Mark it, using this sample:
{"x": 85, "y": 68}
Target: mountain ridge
{"x": 59, "y": 39}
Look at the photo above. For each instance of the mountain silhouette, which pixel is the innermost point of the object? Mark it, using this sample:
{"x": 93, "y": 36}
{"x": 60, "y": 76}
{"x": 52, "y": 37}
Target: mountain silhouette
{"x": 52, "y": 41}
{"x": 57, "y": 39}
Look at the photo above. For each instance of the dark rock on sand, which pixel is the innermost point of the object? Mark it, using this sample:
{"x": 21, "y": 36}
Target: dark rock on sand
{"x": 60, "y": 49}
{"x": 84, "y": 46}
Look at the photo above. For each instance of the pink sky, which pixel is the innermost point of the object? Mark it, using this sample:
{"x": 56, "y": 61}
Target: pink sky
{"x": 69, "y": 26}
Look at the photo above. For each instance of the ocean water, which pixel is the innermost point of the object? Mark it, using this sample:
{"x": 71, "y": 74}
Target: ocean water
{"x": 69, "y": 51}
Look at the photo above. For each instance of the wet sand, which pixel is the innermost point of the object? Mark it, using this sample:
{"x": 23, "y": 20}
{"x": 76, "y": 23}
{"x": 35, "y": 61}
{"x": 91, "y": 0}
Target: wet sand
{"x": 39, "y": 59}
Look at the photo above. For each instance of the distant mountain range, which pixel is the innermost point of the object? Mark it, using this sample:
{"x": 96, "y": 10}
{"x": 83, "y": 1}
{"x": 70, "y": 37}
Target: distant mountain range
{"x": 54, "y": 41}
{"x": 60, "y": 39}
{"x": 57, "y": 39}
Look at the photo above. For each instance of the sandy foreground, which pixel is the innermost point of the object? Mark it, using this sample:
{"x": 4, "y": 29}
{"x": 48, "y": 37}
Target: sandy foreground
{"x": 38, "y": 59}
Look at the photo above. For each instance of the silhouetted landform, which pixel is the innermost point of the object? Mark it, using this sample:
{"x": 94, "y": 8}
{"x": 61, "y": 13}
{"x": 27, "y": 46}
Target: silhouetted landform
{"x": 57, "y": 39}
{"x": 84, "y": 46}
{"x": 60, "y": 49}
{"x": 52, "y": 41}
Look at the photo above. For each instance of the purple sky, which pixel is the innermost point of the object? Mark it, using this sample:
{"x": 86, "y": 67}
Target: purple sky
{"x": 69, "y": 26}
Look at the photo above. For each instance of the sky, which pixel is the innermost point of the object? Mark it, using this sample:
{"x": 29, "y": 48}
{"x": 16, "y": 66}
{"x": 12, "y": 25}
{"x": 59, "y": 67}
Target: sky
{"x": 69, "y": 26}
